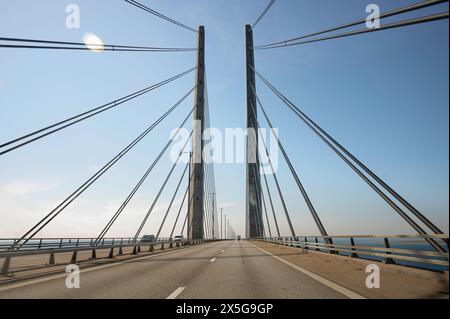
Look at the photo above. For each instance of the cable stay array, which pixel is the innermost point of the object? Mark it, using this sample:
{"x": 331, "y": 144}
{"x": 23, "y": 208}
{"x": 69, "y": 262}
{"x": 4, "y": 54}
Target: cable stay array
{"x": 210, "y": 227}
{"x": 361, "y": 170}
{"x": 270, "y": 200}
{"x": 56, "y": 127}
{"x": 150, "y": 210}
{"x": 211, "y": 222}
{"x": 403, "y": 23}
{"x": 398, "y": 203}
{"x": 171, "y": 201}
{"x": 31, "y": 233}
{"x": 276, "y": 180}
{"x": 141, "y": 181}
{"x": 21, "y": 43}
{"x": 269, "y": 5}
{"x": 159, "y": 15}
{"x": 305, "y": 195}
{"x": 265, "y": 219}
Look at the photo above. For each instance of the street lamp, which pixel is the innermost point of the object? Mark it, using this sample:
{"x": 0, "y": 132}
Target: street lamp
{"x": 225, "y": 229}
{"x": 213, "y": 210}
{"x": 221, "y": 223}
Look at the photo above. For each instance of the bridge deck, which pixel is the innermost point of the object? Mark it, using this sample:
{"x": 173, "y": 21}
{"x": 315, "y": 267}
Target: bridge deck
{"x": 220, "y": 270}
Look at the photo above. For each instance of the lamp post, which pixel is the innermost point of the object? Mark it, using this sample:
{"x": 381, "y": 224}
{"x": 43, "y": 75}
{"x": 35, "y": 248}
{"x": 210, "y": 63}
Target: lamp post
{"x": 213, "y": 217}
{"x": 221, "y": 223}
{"x": 225, "y": 229}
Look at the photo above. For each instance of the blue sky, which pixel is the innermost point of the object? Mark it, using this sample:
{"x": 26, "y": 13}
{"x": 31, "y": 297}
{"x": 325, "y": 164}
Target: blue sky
{"x": 383, "y": 95}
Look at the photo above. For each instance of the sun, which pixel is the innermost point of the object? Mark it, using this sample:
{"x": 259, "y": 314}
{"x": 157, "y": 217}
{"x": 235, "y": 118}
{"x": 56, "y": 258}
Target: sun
{"x": 93, "y": 42}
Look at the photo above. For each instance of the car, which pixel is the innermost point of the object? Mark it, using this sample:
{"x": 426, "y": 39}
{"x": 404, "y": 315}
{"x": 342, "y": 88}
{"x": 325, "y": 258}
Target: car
{"x": 148, "y": 238}
{"x": 179, "y": 238}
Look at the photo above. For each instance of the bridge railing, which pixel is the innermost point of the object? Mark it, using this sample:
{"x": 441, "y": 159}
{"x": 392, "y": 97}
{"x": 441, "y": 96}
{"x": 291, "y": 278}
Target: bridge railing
{"x": 43, "y": 253}
{"x": 405, "y": 250}
{"x": 50, "y": 243}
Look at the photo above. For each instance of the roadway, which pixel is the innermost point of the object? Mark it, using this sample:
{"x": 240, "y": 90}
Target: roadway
{"x": 218, "y": 270}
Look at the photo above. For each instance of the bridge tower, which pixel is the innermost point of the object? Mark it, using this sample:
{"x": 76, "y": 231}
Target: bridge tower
{"x": 196, "y": 207}
{"x": 254, "y": 221}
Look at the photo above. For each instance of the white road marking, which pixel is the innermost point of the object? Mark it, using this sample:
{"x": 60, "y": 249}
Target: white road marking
{"x": 64, "y": 275}
{"x": 176, "y": 293}
{"x": 213, "y": 260}
{"x": 346, "y": 292}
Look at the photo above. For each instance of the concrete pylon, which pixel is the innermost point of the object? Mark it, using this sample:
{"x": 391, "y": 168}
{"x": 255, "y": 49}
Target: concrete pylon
{"x": 195, "y": 220}
{"x": 254, "y": 222}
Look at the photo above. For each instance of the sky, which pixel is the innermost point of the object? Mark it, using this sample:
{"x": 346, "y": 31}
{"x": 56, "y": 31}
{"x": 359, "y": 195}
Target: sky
{"x": 383, "y": 95}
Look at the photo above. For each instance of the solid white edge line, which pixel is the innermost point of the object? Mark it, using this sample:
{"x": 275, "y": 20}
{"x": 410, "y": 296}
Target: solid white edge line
{"x": 213, "y": 260}
{"x": 176, "y": 293}
{"x": 53, "y": 277}
{"x": 346, "y": 292}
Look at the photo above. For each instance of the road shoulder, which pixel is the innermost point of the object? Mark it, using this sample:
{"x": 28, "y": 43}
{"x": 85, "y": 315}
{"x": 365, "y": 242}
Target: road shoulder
{"x": 351, "y": 274}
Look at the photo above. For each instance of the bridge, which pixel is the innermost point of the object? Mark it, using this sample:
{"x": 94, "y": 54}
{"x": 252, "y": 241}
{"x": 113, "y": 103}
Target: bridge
{"x": 196, "y": 251}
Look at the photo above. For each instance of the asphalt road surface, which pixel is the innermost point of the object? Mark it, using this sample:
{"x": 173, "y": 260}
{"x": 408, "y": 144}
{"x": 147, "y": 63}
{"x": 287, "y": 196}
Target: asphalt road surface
{"x": 219, "y": 270}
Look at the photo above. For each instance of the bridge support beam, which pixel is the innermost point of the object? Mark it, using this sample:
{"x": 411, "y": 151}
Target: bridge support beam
{"x": 254, "y": 221}
{"x": 74, "y": 257}
{"x": 51, "y": 259}
{"x": 195, "y": 220}
{"x": 5, "y": 267}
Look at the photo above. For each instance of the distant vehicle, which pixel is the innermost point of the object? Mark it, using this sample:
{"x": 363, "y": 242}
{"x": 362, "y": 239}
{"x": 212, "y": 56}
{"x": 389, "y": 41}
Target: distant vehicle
{"x": 179, "y": 238}
{"x": 238, "y": 237}
{"x": 148, "y": 239}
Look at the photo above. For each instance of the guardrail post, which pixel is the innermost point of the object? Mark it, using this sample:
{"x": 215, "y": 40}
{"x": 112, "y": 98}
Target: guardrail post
{"x": 151, "y": 248}
{"x": 171, "y": 245}
{"x": 162, "y": 246}
{"x": 353, "y": 255}
{"x": 134, "y": 251}
{"x": 74, "y": 258}
{"x": 94, "y": 254}
{"x": 388, "y": 260}
{"x": 60, "y": 243}
{"x": 139, "y": 249}
{"x": 111, "y": 253}
{"x": 51, "y": 260}
{"x": 332, "y": 252}
{"x": 295, "y": 242}
{"x": 40, "y": 243}
{"x": 5, "y": 267}
{"x": 92, "y": 241}
{"x": 120, "y": 251}
{"x": 306, "y": 243}
{"x": 317, "y": 242}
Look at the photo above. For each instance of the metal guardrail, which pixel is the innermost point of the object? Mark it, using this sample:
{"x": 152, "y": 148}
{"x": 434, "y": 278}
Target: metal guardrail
{"x": 416, "y": 251}
{"x": 48, "y": 243}
{"x": 53, "y": 246}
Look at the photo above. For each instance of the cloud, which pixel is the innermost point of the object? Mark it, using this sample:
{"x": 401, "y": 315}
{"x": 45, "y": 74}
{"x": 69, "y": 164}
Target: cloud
{"x": 26, "y": 187}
